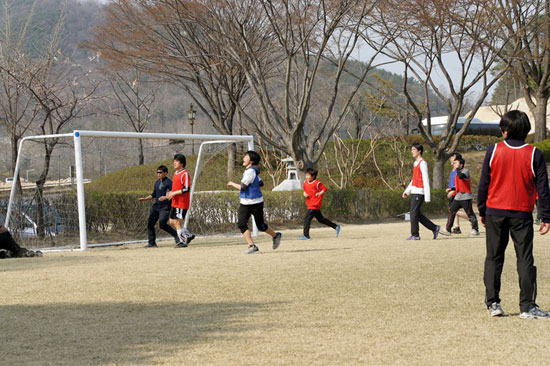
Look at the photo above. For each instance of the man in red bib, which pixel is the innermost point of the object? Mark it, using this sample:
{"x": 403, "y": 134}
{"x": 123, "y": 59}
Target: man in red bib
{"x": 512, "y": 175}
{"x": 419, "y": 190}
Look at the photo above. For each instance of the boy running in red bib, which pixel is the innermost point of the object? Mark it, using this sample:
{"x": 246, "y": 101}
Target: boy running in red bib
{"x": 181, "y": 184}
{"x": 314, "y": 192}
{"x": 462, "y": 198}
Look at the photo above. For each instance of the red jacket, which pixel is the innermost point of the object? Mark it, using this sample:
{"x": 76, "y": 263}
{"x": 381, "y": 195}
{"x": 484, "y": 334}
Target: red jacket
{"x": 314, "y": 202}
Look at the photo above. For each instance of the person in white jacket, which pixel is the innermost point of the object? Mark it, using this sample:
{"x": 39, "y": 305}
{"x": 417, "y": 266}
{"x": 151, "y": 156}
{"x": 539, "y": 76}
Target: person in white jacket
{"x": 419, "y": 190}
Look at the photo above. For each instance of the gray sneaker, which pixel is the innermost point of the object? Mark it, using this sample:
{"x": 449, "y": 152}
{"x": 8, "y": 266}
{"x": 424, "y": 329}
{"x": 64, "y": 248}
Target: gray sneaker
{"x": 444, "y": 232}
{"x": 534, "y": 313}
{"x": 495, "y": 309}
{"x": 277, "y": 240}
{"x": 252, "y": 249}
{"x": 474, "y": 232}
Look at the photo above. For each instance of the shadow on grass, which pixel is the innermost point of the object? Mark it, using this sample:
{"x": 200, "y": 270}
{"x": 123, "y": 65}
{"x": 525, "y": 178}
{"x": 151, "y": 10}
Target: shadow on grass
{"x": 306, "y": 250}
{"x": 118, "y": 333}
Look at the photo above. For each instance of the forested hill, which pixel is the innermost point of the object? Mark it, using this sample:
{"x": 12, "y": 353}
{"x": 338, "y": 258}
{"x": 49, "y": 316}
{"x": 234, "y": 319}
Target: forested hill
{"x": 82, "y": 16}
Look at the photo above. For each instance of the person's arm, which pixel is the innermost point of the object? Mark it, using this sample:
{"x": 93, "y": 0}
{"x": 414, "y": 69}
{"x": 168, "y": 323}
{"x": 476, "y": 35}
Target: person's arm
{"x": 425, "y": 180}
{"x": 248, "y": 178}
{"x": 463, "y": 174}
{"x": 541, "y": 180}
{"x": 483, "y": 187}
{"x": 407, "y": 190}
{"x": 149, "y": 197}
{"x": 322, "y": 189}
{"x": 185, "y": 189}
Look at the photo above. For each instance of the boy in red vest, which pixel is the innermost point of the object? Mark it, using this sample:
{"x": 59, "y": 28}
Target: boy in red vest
{"x": 463, "y": 196}
{"x": 181, "y": 185}
{"x": 513, "y": 172}
{"x": 419, "y": 190}
{"x": 314, "y": 191}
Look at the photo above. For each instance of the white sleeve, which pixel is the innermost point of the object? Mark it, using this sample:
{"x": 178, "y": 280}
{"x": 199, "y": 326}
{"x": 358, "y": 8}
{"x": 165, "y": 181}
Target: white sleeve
{"x": 408, "y": 189}
{"x": 425, "y": 180}
{"x": 248, "y": 176}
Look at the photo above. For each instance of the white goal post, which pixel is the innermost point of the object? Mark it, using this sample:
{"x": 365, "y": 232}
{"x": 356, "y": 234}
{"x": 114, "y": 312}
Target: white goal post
{"x": 77, "y": 136}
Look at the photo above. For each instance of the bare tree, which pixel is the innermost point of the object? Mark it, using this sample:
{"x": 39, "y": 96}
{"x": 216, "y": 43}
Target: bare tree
{"x": 291, "y": 52}
{"x": 17, "y": 108}
{"x": 62, "y": 90}
{"x": 136, "y": 98}
{"x": 168, "y": 38}
{"x": 431, "y": 34}
{"x": 526, "y": 25}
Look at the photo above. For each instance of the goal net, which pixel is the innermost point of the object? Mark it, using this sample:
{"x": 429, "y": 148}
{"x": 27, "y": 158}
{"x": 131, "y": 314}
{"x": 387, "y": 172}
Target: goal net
{"x": 90, "y": 193}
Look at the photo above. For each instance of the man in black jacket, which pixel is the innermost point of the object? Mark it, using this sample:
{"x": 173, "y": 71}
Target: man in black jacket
{"x": 161, "y": 209}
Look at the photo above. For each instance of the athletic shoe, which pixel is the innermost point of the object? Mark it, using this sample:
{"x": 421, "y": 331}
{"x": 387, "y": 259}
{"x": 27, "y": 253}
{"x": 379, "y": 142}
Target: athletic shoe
{"x": 456, "y": 230}
{"x": 252, "y": 249}
{"x": 181, "y": 244}
{"x": 436, "y": 231}
{"x": 277, "y": 240}
{"x": 495, "y": 309}
{"x": 183, "y": 237}
{"x": 534, "y": 313}
{"x": 3, "y": 254}
{"x": 189, "y": 238}
{"x": 151, "y": 246}
{"x": 412, "y": 237}
{"x": 474, "y": 233}
{"x": 38, "y": 253}
{"x": 303, "y": 238}
{"x": 338, "y": 229}
{"x": 444, "y": 232}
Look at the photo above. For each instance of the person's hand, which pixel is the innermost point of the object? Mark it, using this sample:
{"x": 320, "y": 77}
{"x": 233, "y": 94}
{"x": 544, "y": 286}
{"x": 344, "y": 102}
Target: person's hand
{"x": 319, "y": 194}
{"x": 141, "y": 199}
{"x": 404, "y": 195}
{"x": 169, "y": 195}
{"x": 447, "y": 190}
{"x": 306, "y": 195}
{"x": 544, "y": 227}
{"x": 449, "y": 194}
{"x": 482, "y": 219}
{"x": 230, "y": 184}
{"x": 163, "y": 198}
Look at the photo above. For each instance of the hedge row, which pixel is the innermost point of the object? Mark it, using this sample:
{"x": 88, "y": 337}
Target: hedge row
{"x": 119, "y": 214}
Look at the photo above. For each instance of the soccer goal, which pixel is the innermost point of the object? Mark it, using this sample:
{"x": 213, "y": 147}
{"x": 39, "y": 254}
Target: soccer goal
{"x": 94, "y": 180}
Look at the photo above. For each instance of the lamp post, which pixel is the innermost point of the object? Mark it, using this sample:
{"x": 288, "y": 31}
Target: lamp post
{"x": 191, "y": 117}
{"x": 28, "y": 170}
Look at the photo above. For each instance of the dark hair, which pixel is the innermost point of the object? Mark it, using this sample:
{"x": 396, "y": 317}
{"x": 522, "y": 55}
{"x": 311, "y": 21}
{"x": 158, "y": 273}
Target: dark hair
{"x": 418, "y": 147}
{"x": 181, "y": 159}
{"x": 163, "y": 168}
{"x": 516, "y": 123}
{"x": 254, "y": 157}
{"x": 313, "y": 172}
{"x": 460, "y": 161}
{"x": 457, "y": 155}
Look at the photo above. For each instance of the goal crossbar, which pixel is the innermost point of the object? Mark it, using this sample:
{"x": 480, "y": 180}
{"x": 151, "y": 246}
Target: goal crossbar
{"x": 79, "y": 134}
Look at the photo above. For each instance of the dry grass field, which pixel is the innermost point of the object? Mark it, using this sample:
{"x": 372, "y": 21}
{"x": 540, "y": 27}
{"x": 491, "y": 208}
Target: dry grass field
{"x": 366, "y": 298}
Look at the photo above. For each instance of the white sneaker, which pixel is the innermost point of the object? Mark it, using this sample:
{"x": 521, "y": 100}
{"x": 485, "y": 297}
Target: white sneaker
{"x": 495, "y": 309}
{"x": 534, "y": 313}
{"x": 474, "y": 233}
{"x": 444, "y": 232}
{"x": 252, "y": 249}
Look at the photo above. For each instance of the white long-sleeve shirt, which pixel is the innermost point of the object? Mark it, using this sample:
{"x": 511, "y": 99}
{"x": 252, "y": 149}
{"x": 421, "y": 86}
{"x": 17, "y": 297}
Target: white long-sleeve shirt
{"x": 425, "y": 180}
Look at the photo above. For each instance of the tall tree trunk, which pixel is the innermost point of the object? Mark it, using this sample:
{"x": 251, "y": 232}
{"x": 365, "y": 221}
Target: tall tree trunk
{"x": 40, "y": 209}
{"x": 141, "y": 155}
{"x": 438, "y": 179}
{"x": 231, "y": 160}
{"x": 539, "y": 114}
